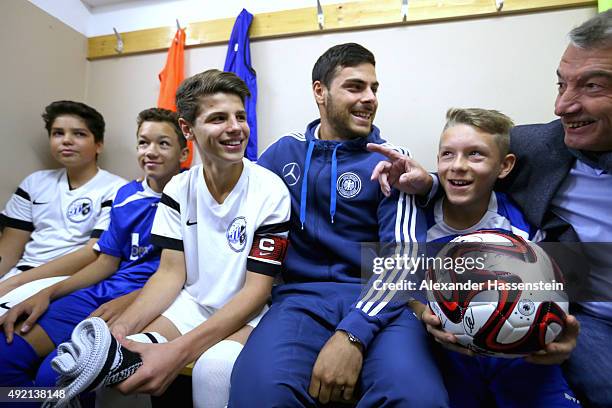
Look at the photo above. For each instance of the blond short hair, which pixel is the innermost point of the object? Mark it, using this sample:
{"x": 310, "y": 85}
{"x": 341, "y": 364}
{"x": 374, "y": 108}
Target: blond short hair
{"x": 490, "y": 121}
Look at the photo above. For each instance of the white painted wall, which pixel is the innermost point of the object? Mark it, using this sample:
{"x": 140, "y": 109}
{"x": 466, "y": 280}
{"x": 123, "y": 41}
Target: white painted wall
{"x": 139, "y": 15}
{"x": 506, "y": 63}
{"x": 43, "y": 61}
{"x": 70, "y": 12}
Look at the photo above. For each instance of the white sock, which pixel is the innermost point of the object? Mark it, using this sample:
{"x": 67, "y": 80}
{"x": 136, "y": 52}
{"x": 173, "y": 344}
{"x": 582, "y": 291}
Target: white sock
{"x": 109, "y": 397}
{"x": 150, "y": 337}
{"x": 211, "y": 375}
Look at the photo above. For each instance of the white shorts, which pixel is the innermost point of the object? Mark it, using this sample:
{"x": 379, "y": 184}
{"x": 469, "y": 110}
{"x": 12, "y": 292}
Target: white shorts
{"x": 23, "y": 292}
{"x": 187, "y": 314}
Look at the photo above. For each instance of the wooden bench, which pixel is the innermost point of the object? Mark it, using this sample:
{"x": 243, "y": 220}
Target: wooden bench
{"x": 187, "y": 370}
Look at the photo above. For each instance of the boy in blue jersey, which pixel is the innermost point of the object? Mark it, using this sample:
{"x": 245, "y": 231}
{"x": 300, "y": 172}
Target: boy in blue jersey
{"x": 322, "y": 340}
{"x": 473, "y": 154}
{"x": 125, "y": 262}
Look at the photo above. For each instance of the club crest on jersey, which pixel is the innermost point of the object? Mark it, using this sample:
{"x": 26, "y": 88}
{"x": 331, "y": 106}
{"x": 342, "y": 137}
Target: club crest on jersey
{"x": 291, "y": 173}
{"x": 236, "y": 234}
{"x": 348, "y": 185}
{"x": 80, "y": 209}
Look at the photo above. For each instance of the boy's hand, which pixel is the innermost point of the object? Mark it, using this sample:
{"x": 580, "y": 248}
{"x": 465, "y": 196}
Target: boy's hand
{"x": 34, "y": 307}
{"x": 433, "y": 325}
{"x": 110, "y": 311}
{"x": 554, "y": 353}
{"x": 119, "y": 330}
{"x": 161, "y": 363}
{"x": 559, "y": 350}
{"x": 400, "y": 172}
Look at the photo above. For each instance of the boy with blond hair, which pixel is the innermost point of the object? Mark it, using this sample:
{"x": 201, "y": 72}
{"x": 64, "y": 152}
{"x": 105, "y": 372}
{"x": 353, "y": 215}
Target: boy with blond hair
{"x": 473, "y": 154}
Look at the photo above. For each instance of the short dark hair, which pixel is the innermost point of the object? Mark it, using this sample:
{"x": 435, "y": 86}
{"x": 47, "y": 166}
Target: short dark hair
{"x": 92, "y": 118}
{"x": 340, "y": 56}
{"x": 596, "y": 32}
{"x": 206, "y": 83}
{"x": 491, "y": 121}
{"x": 162, "y": 115}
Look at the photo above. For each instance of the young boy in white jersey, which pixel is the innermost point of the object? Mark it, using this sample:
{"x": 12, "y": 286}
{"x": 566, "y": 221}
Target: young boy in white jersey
{"x": 105, "y": 287}
{"x": 55, "y": 216}
{"x": 223, "y": 229}
{"x": 472, "y": 155}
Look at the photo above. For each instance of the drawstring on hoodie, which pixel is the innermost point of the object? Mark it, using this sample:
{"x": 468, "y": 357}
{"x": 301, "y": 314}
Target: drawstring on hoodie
{"x": 332, "y": 191}
{"x": 311, "y": 132}
{"x": 305, "y": 183}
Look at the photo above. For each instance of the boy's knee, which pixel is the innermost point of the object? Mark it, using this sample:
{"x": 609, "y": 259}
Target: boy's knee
{"x": 393, "y": 394}
{"x": 267, "y": 385}
{"x": 421, "y": 388}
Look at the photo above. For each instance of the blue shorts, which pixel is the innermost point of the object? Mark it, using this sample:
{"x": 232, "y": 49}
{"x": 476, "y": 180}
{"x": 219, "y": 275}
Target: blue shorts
{"x": 491, "y": 381}
{"x": 65, "y": 313}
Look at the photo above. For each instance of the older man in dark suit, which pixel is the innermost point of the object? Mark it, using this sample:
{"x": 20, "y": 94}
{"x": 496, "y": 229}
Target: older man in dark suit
{"x": 563, "y": 182}
{"x": 563, "y": 179}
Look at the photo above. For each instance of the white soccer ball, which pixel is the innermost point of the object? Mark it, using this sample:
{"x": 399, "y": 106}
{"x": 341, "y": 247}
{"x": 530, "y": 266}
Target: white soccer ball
{"x": 511, "y": 303}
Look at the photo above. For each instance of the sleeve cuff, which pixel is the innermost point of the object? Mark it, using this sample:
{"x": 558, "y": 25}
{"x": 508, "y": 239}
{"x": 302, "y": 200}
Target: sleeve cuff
{"x": 15, "y": 223}
{"x": 264, "y": 268}
{"x": 424, "y": 201}
{"x": 167, "y": 243}
{"x": 97, "y": 233}
{"x": 106, "y": 250}
{"x": 363, "y": 329}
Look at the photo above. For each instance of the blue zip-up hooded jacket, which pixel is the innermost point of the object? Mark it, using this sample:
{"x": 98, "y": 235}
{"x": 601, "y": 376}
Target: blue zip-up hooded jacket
{"x": 335, "y": 207}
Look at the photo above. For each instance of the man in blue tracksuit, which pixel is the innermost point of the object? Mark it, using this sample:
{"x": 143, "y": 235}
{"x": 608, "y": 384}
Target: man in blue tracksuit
{"x": 324, "y": 338}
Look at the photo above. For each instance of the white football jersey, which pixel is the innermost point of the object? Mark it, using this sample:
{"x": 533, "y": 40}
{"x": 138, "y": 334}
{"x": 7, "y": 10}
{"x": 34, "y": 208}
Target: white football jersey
{"x": 61, "y": 220}
{"x": 222, "y": 241}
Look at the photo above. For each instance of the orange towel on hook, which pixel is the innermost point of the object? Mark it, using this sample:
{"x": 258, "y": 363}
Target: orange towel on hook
{"x": 171, "y": 77}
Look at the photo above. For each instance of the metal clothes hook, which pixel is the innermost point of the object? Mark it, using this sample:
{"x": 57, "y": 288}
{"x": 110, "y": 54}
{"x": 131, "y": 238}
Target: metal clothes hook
{"x": 119, "y": 47}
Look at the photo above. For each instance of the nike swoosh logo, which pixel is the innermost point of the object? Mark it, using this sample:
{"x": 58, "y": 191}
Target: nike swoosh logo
{"x": 35, "y": 203}
{"x": 189, "y": 223}
{"x": 4, "y": 306}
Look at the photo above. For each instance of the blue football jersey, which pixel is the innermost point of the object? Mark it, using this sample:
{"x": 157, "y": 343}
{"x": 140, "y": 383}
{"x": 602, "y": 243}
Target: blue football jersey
{"x": 128, "y": 235}
{"x": 502, "y": 214}
{"x": 238, "y": 61}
